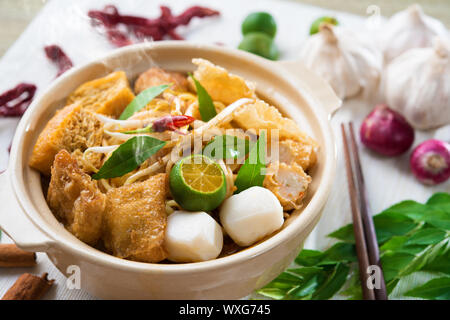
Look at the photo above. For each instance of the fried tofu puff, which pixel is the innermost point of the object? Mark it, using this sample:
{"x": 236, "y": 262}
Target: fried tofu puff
{"x": 72, "y": 128}
{"x": 221, "y": 85}
{"x": 156, "y": 77}
{"x": 288, "y": 183}
{"x": 135, "y": 220}
{"x": 75, "y": 199}
{"x": 291, "y": 151}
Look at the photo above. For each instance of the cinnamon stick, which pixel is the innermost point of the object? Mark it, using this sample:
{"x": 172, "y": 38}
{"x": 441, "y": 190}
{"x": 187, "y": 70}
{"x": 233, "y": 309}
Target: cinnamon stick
{"x": 29, "y": 287}
{"x": 12, "y": 256}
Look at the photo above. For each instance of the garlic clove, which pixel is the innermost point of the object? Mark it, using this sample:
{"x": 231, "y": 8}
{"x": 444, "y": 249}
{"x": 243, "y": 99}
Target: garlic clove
{"x": 408, "y": 29}
{"x": 345, "y": 60}
{"x": 417, "y": 85}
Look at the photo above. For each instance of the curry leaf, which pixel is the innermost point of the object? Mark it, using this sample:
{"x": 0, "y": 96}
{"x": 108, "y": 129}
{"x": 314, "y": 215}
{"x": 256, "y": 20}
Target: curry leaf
{"x": 441, "y": 200}
{"x": 394, "y": 262}
{"x": 435, "y": 289}
{"x": 128, "y": 156}
{"x": 413, "y": 238}
{"x": 273, "y": 293}
{"x": 400, "y": 244}
{"x": 309, "y": 258}
{"x": 141, "y": 100}
{"x": 429, "y": 258}
{"x": 387, "y": 224}
{"x": 333, "y": 284}
{"x": 438, "y": 218}
{"x": 227, "y": 147}
{"x": 337, "y": 253}
{"x": 252, "y": 171}
{"x": 205, "y": 103}
{"x": 426, "y": 236}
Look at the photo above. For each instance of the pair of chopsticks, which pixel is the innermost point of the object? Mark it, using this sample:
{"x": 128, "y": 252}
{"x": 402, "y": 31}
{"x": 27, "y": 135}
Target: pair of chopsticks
{"x": 365, "y": 238}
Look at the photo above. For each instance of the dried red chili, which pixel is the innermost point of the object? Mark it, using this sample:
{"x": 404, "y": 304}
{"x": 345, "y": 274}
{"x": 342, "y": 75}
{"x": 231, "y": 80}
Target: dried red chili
{"x": 143, "y": 28}
{"x": 171, "y": 123}
{"x": 59, "y": 57}
{"x": 14, "y": 102}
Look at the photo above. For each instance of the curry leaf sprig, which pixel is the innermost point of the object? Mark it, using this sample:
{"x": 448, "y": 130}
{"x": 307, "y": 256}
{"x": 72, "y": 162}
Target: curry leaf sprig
{"x": 414, "y": 239}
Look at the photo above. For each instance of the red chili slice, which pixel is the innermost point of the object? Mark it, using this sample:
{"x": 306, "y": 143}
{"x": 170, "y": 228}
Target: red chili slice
{"x": 171, "y": 123}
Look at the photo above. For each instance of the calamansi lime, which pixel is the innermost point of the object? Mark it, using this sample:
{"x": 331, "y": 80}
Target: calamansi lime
{"x": 261, "y": 44}
{"x": 197, "y": 183}
{"x": 259, "y": 22}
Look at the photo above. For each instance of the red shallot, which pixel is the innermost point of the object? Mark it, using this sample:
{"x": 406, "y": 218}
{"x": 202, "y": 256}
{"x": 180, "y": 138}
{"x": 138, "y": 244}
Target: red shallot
{"x": 430, "y": 161}
{"x": 386, "y": 131}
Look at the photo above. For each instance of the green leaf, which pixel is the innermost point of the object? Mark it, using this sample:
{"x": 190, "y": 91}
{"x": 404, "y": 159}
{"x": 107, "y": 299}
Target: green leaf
{"x": 333, "y": 284}
{"x": 394, "y": 262}
{"x": 128, "y": 156}
{"x": 205, "y": 104}
{"x": 399, "y": 244}
{"x": 252, "y": 172}
{"x": 273, "y": 293}
{"x": 286, "y": 281}
{"x": 141, "y": 100}
{"x": 440, "y": 200}
{"x": 426, "y": 236}
{"x": 354, "y": 290}
{"x": 389, "y": 224}
{"x": 438, "y": 218}
{"x": 306, "y": 289}
{"x": 413, "y": 239}
{"x": 436, "y": 289}
{"x": 309, "y": 258}
{"x": 345, "y": 234}
{"x": 227, "y": 147}
{"x": 311, "y": 278}
{"x": 428, "y": 258}
{"x": 408, "y": 208}
{"x": 390, "y": 286}
{"x": 340, "y": 252}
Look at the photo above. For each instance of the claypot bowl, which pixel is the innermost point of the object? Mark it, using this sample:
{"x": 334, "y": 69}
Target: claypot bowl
{"x": 27, "y": 219}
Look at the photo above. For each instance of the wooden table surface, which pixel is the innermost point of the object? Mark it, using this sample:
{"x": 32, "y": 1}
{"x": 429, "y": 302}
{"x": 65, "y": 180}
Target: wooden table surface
{"x": 16, "y": 14}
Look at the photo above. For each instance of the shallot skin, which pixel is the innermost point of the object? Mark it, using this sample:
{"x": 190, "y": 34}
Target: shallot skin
{"x": 430, "y": 162}
{"x": 386, "y": 131}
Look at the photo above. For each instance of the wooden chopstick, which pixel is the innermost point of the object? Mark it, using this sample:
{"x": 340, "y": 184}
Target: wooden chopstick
{"x": 367, "y": 221}
{"x": 358, "y": 229}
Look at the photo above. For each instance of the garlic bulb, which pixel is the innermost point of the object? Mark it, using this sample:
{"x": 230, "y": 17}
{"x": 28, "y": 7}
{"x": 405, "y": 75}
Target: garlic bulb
{"x": 417, "y": 85}
{"x": 343, "y": 59}
{"x": 409, "y": 29}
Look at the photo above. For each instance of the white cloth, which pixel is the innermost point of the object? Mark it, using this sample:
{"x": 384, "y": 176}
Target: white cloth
{"x": 65, "y": 23}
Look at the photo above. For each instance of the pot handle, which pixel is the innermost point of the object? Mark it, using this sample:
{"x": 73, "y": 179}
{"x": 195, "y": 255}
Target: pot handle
{"x": 321, "y": 91}
{"x": 14, "y": 222}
